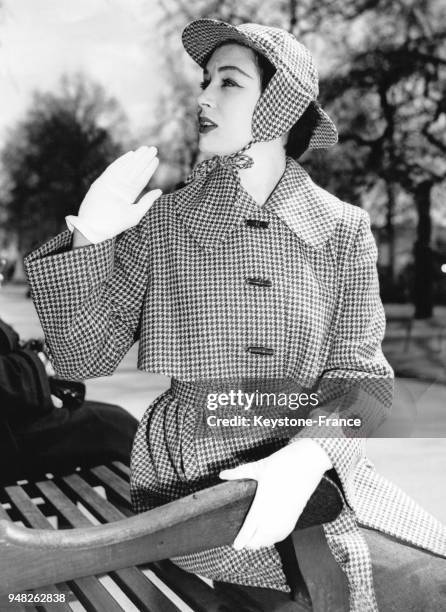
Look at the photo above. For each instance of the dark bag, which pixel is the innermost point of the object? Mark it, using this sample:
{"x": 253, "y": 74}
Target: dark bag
{"x": 72, "y": 393}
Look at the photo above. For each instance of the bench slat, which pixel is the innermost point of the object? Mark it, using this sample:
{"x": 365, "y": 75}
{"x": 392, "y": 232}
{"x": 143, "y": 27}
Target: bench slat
{"x": 195, "y": 592}
{"x": 94, "y": 596}
{"x": 142, "y": 592}
{"x": 97, "y": 505}
{"x": 119, "y": 486}
{"x": 63, "y": 505}
{"x": 121, "y": 468}
{"x": 133, "y": 582}
{"x": 88, "y": 590}
{"x": 4, "y": 514}
{"x": 27, "y": 509}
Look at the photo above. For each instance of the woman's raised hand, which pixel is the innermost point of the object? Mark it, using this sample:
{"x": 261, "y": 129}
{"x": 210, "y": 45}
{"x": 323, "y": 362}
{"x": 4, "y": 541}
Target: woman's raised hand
{"x": 108, "y": 208}
{"x": 285, "y": 482}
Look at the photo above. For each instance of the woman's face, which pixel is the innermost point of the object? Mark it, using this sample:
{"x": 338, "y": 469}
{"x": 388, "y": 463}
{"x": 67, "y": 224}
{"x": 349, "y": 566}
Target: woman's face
{"x": 231, "y": 88}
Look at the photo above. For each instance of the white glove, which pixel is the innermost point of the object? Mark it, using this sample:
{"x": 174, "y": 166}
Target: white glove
{"x": 108, "y": 208}
{"x": 286, "y": 480}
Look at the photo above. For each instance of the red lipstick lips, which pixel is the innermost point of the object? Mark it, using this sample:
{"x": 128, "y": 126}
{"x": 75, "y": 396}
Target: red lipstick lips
{"x": 205, "y": 125}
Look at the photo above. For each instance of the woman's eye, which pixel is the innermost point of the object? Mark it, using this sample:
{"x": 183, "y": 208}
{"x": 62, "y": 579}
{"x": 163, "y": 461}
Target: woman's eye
{"x": 229, "y": 83}
{"x": 224, "y": 83}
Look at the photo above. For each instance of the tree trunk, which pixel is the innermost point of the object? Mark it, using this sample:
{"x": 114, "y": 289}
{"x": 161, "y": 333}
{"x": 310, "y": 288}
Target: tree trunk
{"x": 424, "y": 268}
{"x": 390, "y": 231}
{"x": 293, "y": 15}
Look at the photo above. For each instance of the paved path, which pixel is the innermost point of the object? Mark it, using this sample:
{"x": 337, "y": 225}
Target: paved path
{"x": 416, "y": 348}
{"x": 417, "y": 464}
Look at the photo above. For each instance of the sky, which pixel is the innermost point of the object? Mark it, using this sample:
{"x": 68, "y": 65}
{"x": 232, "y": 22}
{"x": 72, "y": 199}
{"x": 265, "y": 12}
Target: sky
{"x": 112, "y": 41}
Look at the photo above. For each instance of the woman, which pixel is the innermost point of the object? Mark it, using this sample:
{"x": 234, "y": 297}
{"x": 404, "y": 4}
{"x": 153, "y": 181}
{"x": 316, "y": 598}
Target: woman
{"x": 250, "y": 275}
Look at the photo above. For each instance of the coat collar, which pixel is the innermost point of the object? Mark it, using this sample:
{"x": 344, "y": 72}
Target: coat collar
{"x": 213, "y": 206}
{"x": 310, "y": 211}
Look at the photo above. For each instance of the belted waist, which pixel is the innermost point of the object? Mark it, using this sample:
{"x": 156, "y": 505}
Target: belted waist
{"x": 180, "y": 388}
{"x": 186, "y": 392}
{"x": 194, "y": 396}
{"x": 239, "y": 395}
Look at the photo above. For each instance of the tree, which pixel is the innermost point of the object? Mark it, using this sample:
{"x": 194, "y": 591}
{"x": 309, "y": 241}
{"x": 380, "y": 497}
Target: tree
{"x": 389, "y": 99}
{"x": 51, "y": 157}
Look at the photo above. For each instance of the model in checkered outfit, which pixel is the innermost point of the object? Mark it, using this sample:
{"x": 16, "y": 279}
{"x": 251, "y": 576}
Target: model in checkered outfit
{"x": 179, "y": 281}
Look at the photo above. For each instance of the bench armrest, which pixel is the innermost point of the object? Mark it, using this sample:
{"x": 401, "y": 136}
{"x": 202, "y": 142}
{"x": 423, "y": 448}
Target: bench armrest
{"x": 203, "y": 520}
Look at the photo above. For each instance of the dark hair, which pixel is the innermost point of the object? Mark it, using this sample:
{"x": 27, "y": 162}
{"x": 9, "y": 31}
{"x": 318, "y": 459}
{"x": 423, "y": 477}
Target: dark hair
{"x": 301, "y": 132}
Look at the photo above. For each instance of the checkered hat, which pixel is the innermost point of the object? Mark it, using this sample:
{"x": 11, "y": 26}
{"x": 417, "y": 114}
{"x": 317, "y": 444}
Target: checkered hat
{"x": 293, "y": 86}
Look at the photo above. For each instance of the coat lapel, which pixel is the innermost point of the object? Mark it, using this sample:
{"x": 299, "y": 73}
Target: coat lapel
{"x": 209, "y": 207}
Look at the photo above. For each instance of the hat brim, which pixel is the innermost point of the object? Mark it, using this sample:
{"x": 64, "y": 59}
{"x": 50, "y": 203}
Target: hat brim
{"x": 200, "y": 37}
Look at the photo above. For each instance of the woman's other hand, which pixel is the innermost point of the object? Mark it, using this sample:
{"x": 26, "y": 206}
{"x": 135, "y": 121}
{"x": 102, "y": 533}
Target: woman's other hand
{"x": 285, "y": 482}
{"x": 108, "y": 208}
{"x": 57, "y": 402}
{"x": 47, "y": 363}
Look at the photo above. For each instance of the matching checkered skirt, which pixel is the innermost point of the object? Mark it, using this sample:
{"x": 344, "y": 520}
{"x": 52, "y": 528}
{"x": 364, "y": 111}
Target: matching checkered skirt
{"x": 170, "y": 459}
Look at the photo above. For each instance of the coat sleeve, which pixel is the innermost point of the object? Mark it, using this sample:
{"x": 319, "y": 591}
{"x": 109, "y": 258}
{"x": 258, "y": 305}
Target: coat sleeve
{"x": 89, "y": 300}
{"x": 357, "y": 381}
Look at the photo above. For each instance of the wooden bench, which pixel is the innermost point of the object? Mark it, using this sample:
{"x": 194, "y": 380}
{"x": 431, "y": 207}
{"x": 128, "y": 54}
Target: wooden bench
{"x": 78, "y": 535}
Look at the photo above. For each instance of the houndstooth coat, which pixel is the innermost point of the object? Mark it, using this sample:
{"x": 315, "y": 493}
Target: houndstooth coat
{"x": 221, "y": 289}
